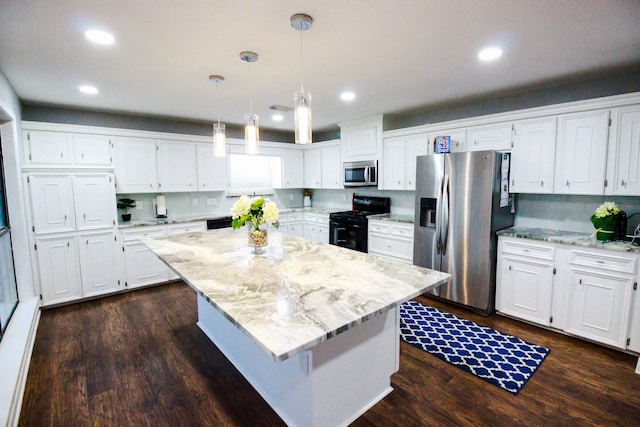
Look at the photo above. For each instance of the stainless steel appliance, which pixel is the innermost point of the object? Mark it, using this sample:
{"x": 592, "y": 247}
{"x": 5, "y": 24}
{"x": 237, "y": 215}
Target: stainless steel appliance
{"x": 462, "y": 199}
{"x": 360, "y": 174}
{"x": 349, "y": 229}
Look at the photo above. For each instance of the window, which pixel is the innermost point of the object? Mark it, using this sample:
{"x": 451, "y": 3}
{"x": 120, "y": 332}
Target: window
{"x": 249, "y": 174}
{"x": 8, "y": 288}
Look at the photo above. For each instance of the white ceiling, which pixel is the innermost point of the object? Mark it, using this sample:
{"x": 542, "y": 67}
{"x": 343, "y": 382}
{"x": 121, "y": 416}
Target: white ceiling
{"x": 394, "y": 54}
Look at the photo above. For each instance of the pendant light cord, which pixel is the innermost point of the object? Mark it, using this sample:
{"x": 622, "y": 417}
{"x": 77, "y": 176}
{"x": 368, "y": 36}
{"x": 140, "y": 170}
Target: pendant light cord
{"x": 218, "y": 99}
{"x": 301, "y": 62}
{"x": 250, "y": 91}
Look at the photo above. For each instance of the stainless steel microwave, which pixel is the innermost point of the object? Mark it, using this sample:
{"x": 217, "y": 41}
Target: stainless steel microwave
{"x": 360, "y": 174}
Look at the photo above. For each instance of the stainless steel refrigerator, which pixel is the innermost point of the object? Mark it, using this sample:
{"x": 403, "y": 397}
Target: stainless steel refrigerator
{"x": 462, "y": 200}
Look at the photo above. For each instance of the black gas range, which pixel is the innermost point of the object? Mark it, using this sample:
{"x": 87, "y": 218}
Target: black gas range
{"x": 349, "y": 229}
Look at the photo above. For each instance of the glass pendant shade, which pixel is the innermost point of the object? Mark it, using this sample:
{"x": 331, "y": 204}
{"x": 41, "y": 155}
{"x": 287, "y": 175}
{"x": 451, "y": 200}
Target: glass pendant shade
{"x": 251, "y": 133}
{"x": 219, "y": 140}
{"x": 303, "y": 117}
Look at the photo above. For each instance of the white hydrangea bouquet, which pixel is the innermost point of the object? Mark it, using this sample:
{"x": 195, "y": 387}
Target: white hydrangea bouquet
{"x": 256, "y": 212}
{"x": 605, "y": 219}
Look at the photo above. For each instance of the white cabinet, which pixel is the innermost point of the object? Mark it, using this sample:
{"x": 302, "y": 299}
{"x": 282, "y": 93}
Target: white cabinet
{"x": 292, "y": 168}
{"x": 496, "y": 136}
{"x": 533, "y": 156}
{"x": 99, "y": 266}
{"x": 524, "y": 280}
{"x": 316, "y": 226}
{"x": 362, "y": 139}
{"x": 136, "y": 165}
{"x": 331, "y": 167}
{"x": 291, "y": 223}
{"x": 92, "y": 150}
{"x": 176, "y": 162}
{"x": 189, "y": 227}
{"x": 313, "y": 168}
{"x": 624, "y": 152}
{"x": 634, "y": 323}
{"x": 590, "y": 296}
{"x": 458, "y": 139}
{"x": 399, "y": 160}
{"x": 95, "y": 201}
{"x": 51, "y": 198}
{"x": 390, "y": 239}
{"x": 581, "y": 150}
{"x": 142, "y": 266}
{"x": 600, "y": 296}
{"x": 212, "y": 170}
{"x": 322, "y": 167}
{"x": 58, "y": 268}
{"x": 48, "y": 148}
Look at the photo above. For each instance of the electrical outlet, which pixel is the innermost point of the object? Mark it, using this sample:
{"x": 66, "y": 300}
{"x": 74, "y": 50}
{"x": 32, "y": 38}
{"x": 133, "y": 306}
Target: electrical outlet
{"x": 290, "y": 196}
{"x": 194, "y": 202}
{"x": 212, "y": 201}
{"x": 139, "y": 205}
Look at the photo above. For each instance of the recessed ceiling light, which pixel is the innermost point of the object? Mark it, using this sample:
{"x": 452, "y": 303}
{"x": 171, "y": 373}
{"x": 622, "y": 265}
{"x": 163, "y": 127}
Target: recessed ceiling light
{"x": 99, "y": 37}
{"x": 277, "y": 117}
{"x": 490, "y": 54}
{"x": 347, "y": 96}
{"x": 88, "y": 89}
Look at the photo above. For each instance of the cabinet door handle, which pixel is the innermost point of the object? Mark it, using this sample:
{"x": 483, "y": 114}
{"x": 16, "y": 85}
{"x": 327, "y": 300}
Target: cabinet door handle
{"x": 567, "y": 183}
{"x": 623, "y": 183}
{"x": 541, "y": 183}
{"x": 600, "y": 261}
{"x": 509, "y": 268}
{"x": 580, "y": 281}
{"x": 68, "y": 245}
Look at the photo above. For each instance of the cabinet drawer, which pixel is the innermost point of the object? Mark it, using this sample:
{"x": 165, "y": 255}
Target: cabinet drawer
{"x": 310, "y": 217}
{"x": 400, "y": 231}
{"x": 396, "y": 248}
{"x": 604, "y": 261}
{"x": 380, "y": 228}
{"x": 134, "y": 234}
{"x": 528, "y": 250}
{"x": 192, "y": 227}
{"x": 294, "y": 216}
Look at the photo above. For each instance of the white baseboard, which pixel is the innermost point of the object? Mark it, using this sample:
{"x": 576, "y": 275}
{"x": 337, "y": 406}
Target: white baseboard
{"x": 638, "y": 366}
{"x": 15, "y": 353}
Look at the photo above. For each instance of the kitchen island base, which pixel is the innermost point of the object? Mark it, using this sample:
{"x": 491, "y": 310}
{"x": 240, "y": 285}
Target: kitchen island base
{"x": 330, "y": 384}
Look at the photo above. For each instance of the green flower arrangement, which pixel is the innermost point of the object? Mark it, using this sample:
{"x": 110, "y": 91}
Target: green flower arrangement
{"x": 605, "y": 219}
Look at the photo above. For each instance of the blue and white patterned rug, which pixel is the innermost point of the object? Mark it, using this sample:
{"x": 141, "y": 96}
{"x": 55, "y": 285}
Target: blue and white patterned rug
{"x": 501, "y": 359}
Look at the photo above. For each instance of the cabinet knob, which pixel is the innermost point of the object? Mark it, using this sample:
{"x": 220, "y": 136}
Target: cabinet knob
{"x": 567, "y": 183}
{"x": 509, "y": 268}
{"x": 541, "y": 183}
{"x": 622, "y": 183}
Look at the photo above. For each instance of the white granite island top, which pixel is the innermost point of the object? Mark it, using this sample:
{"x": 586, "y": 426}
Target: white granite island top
{"x": 297, "y": 294}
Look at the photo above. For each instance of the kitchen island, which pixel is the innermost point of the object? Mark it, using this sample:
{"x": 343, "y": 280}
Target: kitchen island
{"x": 313, "y": 327}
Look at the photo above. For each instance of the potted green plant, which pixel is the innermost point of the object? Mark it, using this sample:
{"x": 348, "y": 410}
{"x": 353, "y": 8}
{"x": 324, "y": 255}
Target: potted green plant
{"x": 126, "y": 204}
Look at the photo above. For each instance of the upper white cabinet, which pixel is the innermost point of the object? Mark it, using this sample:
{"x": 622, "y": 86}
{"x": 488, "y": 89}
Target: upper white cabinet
{"x": 581, "y": 150}
{"x": 92, "y": 150}
{"x": 64, "y": 149}
{"x": 322, "y": 166}
{"x": 331, "y": 167}
{"x": 94, "y": 197}
{"x": 624, "y": 152}
{"x": 292, "y": 168}
{"x": 496, "y": 136}
{"x": 176, "y": 163}
{"x": 136, "y": 166}
{"x": 399, "y": 160}
{"x": 533, "y": 156}
{"x": 362, "y": 139}
{"x": 458, "y": 139}
{"x": 46, "y": 148}
{"x": 51, "y": 198}
{"x": 212, "y": 170}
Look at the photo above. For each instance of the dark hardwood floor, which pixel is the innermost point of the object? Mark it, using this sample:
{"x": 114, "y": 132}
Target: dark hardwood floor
{"x": 138, "y": 359}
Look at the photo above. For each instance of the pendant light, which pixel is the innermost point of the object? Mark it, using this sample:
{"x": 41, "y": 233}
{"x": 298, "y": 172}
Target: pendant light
{"x": 251, "y": 130}
{"x": 302, "y": 99}
{"x": 219, "y": 138}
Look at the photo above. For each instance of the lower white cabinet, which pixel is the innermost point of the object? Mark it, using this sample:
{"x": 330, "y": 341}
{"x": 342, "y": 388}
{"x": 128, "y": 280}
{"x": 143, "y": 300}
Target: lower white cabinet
{"x": 316, "y": 226}
{"x": 59, "y": 268}
{"x": 391, "y": 239}
{"x": 99, "y": 267}
{"x": 525, "y": 276}
{"x": 291, "y": 223}
{"x": 143, "y": 267}
{"x": 588, "y": 291}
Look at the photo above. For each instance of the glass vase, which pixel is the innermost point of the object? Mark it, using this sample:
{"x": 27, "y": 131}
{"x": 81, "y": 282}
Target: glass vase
{"x": 258, "y": 240}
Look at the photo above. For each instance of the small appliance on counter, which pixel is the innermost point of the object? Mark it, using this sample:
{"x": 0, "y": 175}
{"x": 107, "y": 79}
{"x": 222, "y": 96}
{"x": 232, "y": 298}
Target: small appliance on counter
{"x": 307, "y": 198}
{"x": 161, "y": 207}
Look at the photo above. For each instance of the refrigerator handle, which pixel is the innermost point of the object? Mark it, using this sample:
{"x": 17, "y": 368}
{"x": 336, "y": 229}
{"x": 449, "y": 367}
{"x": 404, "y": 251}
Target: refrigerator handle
{"x": 439, "y": 218}
{"x": 444, "y": 231}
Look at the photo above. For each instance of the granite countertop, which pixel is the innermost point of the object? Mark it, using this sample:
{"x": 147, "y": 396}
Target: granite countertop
{"x": 287, "y": 300}
{"x": 568, "y": 238}
{"x": 171, "y": 220}
{"x": 393, "y": 218}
